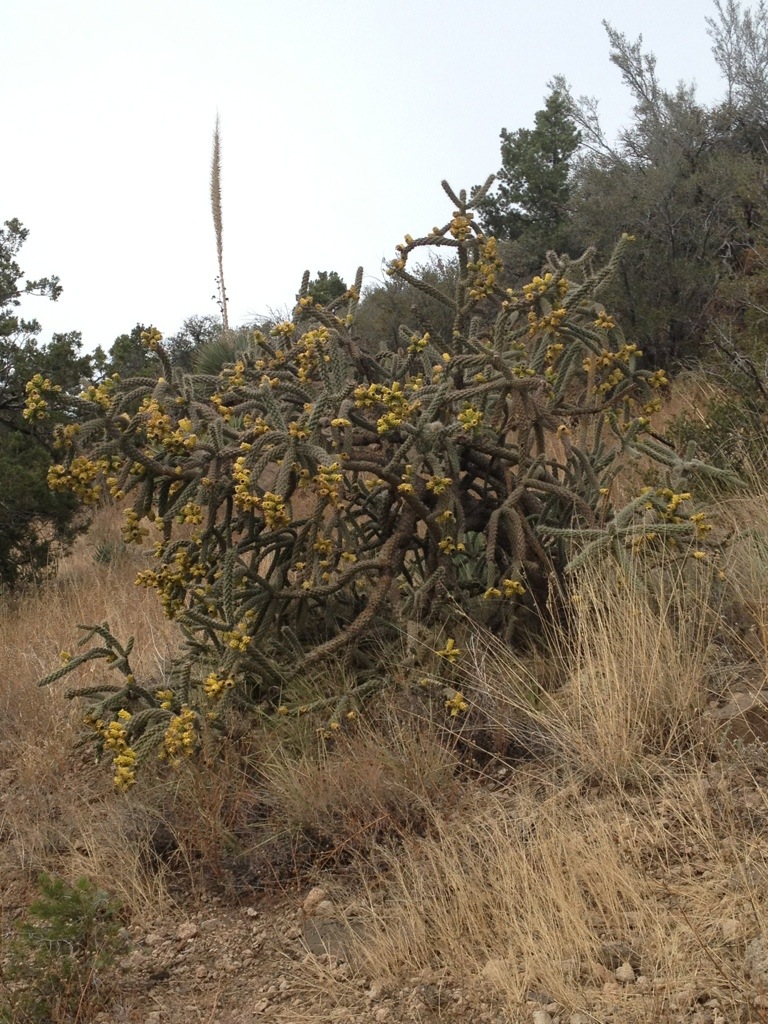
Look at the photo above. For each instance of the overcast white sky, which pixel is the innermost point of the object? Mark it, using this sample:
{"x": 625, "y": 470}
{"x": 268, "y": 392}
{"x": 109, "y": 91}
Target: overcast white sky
{"x": 338, "y": 120}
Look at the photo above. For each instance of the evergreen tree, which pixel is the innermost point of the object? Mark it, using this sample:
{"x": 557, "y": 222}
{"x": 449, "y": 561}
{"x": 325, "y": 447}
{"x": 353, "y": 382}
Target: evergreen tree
{"x": 130, "y": 357}
{"x": 534, "y": 182}
{"x": 326, "y": 287}
{"x": 34, "y": 522}
{"x": 194, "y": 333}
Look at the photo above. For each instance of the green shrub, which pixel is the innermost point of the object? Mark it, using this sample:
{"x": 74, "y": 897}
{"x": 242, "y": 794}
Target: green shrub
{"x": 53, "y": 965}
{"x": 309, "y": 498}
{"x": 730, "y": 434}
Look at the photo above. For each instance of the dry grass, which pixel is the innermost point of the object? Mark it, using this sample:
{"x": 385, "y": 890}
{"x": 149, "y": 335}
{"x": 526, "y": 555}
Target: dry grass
{"x": 58, "y": 811}
{"x": 387, "y": 780}
{"x": 631, "y": 670}
{"x": 630, "y": 827}
{"x": 547, "y": 889}
{"x": 638, "y": 835}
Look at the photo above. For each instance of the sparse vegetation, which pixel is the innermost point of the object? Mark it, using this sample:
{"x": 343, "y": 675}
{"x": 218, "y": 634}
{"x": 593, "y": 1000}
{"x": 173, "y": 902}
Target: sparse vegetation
{"x": 54, "y": 968}
{"x": 456, "y": 611}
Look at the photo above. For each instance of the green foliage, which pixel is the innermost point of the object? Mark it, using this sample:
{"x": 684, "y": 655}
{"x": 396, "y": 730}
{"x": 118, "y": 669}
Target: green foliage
{"x": 129, "y": 357}
{"x": 326, "y": 287}
{"x": 684, "y": 178}
{"x": 194, "y": 333}
{"x": 534, "y": 181}
{"x": 34, "y": 524}
{"x": 12, "y": 286}
{"x": 53, "y": 966}
{"x": 730, "y": 430}
{"x": 328, "y": 499}
{"x": 740, "y": 47}
{"x": 387, "y": 307}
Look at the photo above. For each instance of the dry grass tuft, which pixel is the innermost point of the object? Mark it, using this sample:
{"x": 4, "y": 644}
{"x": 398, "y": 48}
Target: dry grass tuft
{"x": 543, "y": 892}
{"x": 637, "y": 835}
{"x": 630, "y": 672}
{"x": 58, "y": 812}
{"x": 387, "y": 779}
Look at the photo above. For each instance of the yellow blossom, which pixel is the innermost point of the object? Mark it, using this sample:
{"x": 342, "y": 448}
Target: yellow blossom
{"x": 450, "y": 652}
{"x": 456, "y": 704}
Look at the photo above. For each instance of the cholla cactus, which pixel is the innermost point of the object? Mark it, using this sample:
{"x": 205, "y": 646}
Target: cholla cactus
{"x": 324, "y": 492}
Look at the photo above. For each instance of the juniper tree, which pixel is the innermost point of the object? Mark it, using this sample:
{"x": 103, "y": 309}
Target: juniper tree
{"x": 529, "y": 204}
{"x": 34, "y": 523}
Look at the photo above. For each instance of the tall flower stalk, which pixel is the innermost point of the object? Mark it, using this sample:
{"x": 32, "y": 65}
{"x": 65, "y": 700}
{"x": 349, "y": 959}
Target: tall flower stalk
{"x": 217, "y": 219}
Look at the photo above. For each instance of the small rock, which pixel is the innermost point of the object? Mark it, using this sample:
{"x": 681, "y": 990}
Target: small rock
{"x": 324, "y": 909}
{"x": 731, "y": 929}
{"x": 756, "y": 962}
{"x": 683, "y": 998}
{"x": 378, "y": 989}
{"x": 131, "y": 961}
{"x": 578, "y": 1018}
{"x": 313, "y": 898}
{"x": 541, "y": 1017}
{"x": 571, "y": 969}
{"x": 427, "y": 996}
{"x": 643, "y": 984}
{"x": 186, "y": 930}
{"x": 535, "y": 995}
{"x": 625, "y": 974}
{"x": 614, "y": 954}
{"x": 201, "y": 971}
{"x": 330, "y": 936}
{"x": 251, "y": 912}
{"x": 153, "y": 939}
{"x": 261, "y": 1006}
{"x": 382, "y": 1013}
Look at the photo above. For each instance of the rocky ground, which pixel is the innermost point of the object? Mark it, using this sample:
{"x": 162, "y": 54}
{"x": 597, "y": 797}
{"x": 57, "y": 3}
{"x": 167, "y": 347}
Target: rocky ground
{"x": 281, "y": 959}
{"x": 292, "y": 959}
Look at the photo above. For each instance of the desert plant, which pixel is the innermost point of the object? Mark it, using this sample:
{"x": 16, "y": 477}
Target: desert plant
{"x": 323, "y": 495}
{"x": 218, "y": 221}
{"x": 52, "y": 968}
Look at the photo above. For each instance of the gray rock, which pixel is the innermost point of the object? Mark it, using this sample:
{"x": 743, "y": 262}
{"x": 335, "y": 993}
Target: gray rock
{"x": 333, "y": 936}
{"x": 756, "y": 962}
{"x": 378, "y": 989}
{"x": 613, "y": 954}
